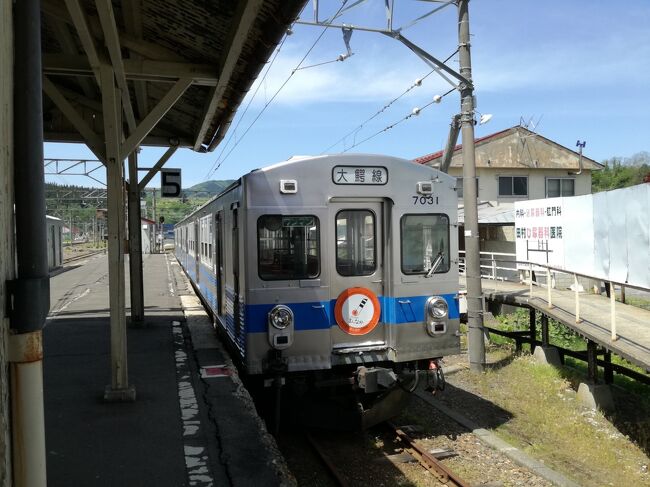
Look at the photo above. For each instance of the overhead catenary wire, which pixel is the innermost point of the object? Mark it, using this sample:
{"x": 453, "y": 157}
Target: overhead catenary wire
{"x": 218, "y": 163}
{"x": 234, "y": 131}
{"x": 413, "y": 113}
{"x": 417, "y": 83}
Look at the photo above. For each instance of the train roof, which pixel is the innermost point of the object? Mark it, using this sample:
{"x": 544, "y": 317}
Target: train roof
{"x": 331, "y": 160}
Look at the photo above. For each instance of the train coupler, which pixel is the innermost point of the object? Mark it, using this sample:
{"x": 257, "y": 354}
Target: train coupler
{"x": 375, "y": 379}
{"x": 435, "y": 377}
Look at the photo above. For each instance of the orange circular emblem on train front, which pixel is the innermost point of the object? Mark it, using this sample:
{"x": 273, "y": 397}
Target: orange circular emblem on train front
{"x": 357, "y": 311}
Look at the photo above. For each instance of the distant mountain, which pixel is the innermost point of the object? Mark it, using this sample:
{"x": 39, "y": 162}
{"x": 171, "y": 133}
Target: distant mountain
{"x": 208, "y": 189}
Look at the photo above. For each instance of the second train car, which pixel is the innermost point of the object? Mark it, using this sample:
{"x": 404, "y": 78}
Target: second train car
{"x": 332, "y": 273}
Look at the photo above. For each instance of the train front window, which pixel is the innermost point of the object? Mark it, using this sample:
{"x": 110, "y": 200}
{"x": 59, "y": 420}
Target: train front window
{"x": 287, "y": 247}
{"x": 425, "y": 240}
{"x": 355, "y": 243}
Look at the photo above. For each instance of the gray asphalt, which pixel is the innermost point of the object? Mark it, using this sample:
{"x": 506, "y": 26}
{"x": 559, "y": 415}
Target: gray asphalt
{"x": 152, "y": 441}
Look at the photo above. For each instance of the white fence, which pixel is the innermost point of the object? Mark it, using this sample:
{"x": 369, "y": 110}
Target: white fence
{"x": 505, "y": 267}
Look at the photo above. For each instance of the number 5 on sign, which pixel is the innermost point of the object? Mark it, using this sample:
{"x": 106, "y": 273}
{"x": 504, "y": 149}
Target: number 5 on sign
{"x": 170, "y": 183}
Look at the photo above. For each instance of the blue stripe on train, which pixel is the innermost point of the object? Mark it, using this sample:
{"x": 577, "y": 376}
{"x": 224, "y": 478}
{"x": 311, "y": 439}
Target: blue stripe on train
{"x": 319, "y": 315}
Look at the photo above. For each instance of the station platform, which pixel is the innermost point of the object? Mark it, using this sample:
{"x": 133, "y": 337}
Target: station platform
{"x": 192, "y": 422}
{"x": 632, "y": 323}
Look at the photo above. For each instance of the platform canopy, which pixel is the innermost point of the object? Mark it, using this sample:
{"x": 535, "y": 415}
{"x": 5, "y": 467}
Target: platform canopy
{"x": 182, "y": 67}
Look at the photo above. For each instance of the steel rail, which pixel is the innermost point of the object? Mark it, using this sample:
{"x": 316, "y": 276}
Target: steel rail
{"x": 427, "y": 460}
{"x": 79, "y": 257}
{"x": 334, "y": 472}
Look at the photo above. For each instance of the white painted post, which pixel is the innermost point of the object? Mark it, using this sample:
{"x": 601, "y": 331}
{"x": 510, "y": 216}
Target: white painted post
{"x": 548, "y": 287}
{"x": 119, "y": 389}
{"x": 575, "y": 285}
{"x": 530, "y": 280}
{"x": 612, "y": 300}
{"x": 494, "y": 272}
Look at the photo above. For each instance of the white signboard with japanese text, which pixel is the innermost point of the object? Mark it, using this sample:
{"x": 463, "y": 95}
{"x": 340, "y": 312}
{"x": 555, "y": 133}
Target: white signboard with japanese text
{"x": 605, "y": 235}
{"x": 364, "y": 175}
{"x": 539, "y": 231}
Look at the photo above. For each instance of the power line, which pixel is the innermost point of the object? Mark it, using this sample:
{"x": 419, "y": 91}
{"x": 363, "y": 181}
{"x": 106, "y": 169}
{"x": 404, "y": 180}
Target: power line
{"x": 417, "y": 83}
{"x": 218, "y": 165}
{"x": 415, "y": 112}
{"x": 234, "y": 131}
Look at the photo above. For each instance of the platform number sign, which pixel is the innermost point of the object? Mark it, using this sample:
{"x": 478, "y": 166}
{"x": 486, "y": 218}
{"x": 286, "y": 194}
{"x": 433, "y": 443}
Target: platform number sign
{"x": 170, "y": 183}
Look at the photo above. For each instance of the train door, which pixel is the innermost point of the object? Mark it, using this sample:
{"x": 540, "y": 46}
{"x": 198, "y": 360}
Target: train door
{"x": 197, "y": 250}
{"x": 358, "y": 277}
{"x": 220, "y": 274}
{"x": 239, "y": 326}
{"x": 186, "y": 248}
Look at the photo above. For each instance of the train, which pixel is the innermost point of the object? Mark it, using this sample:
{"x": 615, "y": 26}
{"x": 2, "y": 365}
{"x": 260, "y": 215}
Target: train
{"x": 334, "y": 277}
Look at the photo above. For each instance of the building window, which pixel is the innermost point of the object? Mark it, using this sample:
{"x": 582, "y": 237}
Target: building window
{"x": 288, "y": 247}
{"x": 459, "y": 187}
{"x": 560, "y": 187}
{"x": 425, "y": 241}
{"x": 355, "y": 243}
{"x": 513, "y": 186}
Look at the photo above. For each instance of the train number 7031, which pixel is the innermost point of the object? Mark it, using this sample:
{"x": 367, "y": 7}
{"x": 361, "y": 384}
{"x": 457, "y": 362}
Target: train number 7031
{"x": 425, "y": 200}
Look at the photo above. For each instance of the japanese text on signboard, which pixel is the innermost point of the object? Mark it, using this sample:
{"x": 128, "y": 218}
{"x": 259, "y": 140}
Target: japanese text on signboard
{"x": 529, "y": 227}
{"x": 366, "y": 175}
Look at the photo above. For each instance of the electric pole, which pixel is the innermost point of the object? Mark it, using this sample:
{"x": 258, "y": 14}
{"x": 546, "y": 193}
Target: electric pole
{"x": 472, "y": 249}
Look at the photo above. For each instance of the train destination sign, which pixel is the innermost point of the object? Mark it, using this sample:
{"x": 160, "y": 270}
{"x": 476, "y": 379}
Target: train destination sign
{"x": 364, "y": 175}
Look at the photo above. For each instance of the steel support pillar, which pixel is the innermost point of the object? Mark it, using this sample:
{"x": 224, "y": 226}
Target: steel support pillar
{"x": 545, "y": 338}
{"x": 533, "y": 328}
{"x": 119, "y": 389}
{"x": 472, "y": 257}
{"x": 29, "y": 294}
{"x": 607, "y": 368}
{"x": 135, "y": 244}
{"x": 592, "y": 362}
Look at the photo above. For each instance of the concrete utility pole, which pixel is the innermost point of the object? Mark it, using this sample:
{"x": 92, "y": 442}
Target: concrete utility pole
{"x": 472, "y": 249}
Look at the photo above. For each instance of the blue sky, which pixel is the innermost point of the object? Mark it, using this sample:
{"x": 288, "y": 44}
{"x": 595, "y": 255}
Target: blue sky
{"x": 578, "y": 69}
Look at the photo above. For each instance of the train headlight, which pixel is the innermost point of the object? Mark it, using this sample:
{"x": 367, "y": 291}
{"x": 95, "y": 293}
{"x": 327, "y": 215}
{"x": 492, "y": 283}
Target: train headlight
{"x": 437, "y": 307}
{"x": 281, "y": 317}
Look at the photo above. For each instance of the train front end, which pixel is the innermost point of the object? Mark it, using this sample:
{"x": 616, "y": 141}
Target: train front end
{"x": 355, "y": 281}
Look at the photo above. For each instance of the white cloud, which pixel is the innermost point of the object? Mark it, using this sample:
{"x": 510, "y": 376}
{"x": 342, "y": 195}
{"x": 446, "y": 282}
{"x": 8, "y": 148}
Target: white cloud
{"x": 358, "y": 79}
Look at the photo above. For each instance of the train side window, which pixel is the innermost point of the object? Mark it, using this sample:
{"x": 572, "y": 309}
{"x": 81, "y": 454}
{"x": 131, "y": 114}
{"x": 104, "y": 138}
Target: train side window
{"x": 355, "y": 243}
{"x": 288, "y": 247}
{"x": 424, "y": 238}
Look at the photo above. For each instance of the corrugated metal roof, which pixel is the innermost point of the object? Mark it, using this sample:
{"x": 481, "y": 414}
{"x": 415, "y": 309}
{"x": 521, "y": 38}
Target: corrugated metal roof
{"x": 490, "y": 213}
{"x": 160, "y": 42}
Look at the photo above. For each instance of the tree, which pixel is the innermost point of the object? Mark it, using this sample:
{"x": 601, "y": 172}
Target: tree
{"x": 621, "y": 172}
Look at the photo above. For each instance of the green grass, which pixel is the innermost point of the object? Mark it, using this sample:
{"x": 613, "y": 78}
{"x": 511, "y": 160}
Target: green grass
{"x": 637, "y": 301}
{"x": 548, "y": 423}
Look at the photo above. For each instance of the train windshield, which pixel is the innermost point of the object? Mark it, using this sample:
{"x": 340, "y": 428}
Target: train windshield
{"x": 288, "y": 247}
{"x": 425, "y": 240}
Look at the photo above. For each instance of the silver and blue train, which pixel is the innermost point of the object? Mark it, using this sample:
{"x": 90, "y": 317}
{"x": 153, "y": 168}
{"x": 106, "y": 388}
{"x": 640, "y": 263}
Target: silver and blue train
{"x": 332, "y": 271}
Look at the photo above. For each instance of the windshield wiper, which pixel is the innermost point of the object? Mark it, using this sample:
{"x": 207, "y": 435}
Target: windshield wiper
{"x": 436, "y": 263}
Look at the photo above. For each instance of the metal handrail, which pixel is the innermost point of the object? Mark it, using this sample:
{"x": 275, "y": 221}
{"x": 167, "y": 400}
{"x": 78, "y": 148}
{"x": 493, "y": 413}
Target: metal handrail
{"x": 549, "y": 298}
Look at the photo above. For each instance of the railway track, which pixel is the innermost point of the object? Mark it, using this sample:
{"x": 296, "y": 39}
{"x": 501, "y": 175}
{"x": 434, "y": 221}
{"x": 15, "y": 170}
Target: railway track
{"x": 427, "y": 460}
{"x": 410, "y": 446}
{"x": 82, "y": 256}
